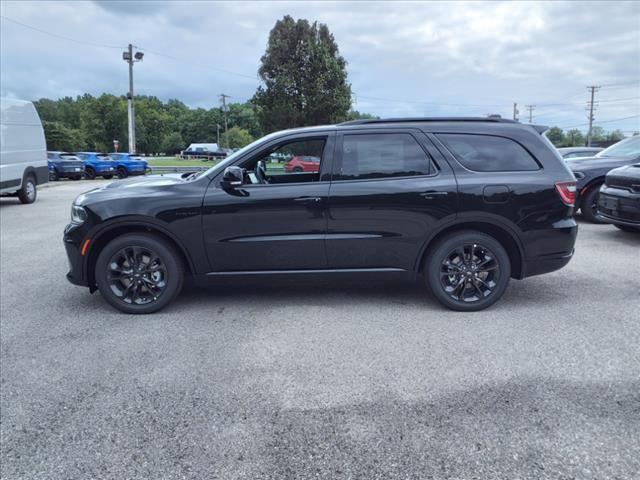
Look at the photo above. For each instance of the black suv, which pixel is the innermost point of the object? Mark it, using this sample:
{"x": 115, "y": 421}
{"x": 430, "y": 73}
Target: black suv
{"x": 465, "y": 203}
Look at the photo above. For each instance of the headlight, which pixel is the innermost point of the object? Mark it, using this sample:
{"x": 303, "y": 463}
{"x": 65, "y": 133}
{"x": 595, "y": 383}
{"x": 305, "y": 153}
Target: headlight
{"x": 578, "y": 175}
{"x": 78, "y": 214}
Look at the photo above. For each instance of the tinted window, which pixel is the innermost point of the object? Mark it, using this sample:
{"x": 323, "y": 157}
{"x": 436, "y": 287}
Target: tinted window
{"x": 297, "y": 161}
{"x": 382, "y": 155}
{"x": 485, "y": 153}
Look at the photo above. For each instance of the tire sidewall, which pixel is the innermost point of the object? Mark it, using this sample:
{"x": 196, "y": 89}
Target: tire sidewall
{"x": 90, "y": 173}
{"x": 121, "y": 172}
{"x": 168, "y": 255}
{"x": 587, "y": 201}
{"x": 444, "y": 247}
{"x": 22, "y": 193}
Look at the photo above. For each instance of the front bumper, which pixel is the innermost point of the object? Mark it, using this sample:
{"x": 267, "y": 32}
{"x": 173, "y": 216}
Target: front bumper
{"x": 619, "y": 206}
{"x": 74, "y": 236}
{"x": 105, "y": 170}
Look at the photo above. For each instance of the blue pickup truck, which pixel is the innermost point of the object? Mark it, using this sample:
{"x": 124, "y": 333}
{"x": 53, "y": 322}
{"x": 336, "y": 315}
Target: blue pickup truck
{"x": 129, "y": 164}
{"x": 97, "y": 165}
{"x": 64, "y": 165}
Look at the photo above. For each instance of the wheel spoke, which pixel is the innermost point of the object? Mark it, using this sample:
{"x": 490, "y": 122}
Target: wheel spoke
{"x": 137, "y": 275}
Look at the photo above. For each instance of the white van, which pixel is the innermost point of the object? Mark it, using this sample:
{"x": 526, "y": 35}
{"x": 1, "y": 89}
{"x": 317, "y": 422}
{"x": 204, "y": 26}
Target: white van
{"x": 23, "y": 151}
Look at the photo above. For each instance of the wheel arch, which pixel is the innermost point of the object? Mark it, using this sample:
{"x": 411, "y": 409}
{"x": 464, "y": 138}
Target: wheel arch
{"x": 107, "y": 233}
{"x": 501, "y": 233}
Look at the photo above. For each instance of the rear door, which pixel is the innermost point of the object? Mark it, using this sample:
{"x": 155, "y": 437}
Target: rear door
{"x": 389, "y": 190}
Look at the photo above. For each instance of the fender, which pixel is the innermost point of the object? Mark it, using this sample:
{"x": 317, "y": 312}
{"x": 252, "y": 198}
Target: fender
{"x": 474, "y": 217}
{"x": 138, "y": 221}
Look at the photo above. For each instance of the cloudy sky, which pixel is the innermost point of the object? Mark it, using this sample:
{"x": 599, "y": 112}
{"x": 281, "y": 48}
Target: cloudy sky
{"x": 404, "y": 58}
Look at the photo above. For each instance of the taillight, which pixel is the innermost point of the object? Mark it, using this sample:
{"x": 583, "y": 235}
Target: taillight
{"x": 567, "y": 192}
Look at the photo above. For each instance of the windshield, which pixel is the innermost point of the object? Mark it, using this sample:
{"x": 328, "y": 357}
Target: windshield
{"x": 629, "y": 147}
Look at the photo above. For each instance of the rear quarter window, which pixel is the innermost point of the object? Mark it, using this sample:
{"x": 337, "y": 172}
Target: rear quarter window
{"x": 488, "y": 153}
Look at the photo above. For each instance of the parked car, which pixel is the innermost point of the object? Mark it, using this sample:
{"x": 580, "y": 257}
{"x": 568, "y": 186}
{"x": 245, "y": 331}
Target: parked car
{"x": 23, "y": 151}
{"x": 575, "y": 152}
{"x": 97, "y": 165}
{"x": 619, "y": 199}
{"x": 591, "y": 171}
{"x": 203, "y": 150}
{"x": 64, "y": 165}
{"x": 302, "y": 163}
{"x": 127, "y": 164}
{"x": 465, "y": 203}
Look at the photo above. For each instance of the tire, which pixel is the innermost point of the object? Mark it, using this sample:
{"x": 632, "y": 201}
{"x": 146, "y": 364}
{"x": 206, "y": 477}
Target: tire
{"x": 29, "y": 192}
{"x": 628, "y": 228}
{"x": 107, "y": 177}
{"x": 297, "y": 169}
{"x": 53, "y": 176}
{"x": 143, "y": 300}
{"x": 589, "y": 204}
{"x": 122, "y": 172}
{"x": 481, "y": 286}
{"x": 90, "y": 173}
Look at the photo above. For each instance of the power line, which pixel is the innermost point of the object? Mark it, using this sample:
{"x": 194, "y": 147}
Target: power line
{"x": 604, "y": 121}
{"x": 635, "y": 82}
{"x": 82, "y": 42}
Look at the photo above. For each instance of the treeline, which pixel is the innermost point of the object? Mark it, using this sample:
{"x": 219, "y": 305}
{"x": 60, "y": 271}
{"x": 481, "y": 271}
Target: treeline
{"x": 575, "y": 138}
{"x": 93, "y": 123}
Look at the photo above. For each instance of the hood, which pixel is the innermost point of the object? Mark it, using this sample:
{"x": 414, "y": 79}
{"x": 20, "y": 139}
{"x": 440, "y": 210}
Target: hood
{"x": 628, "y": 171}
{"x": 131, "y": 187}
{"x": 582, "y": 163}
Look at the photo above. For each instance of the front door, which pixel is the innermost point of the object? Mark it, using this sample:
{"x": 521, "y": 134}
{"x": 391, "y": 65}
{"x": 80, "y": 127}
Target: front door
{"x": 277, "y": 219}
{"x": 387, "y": 195}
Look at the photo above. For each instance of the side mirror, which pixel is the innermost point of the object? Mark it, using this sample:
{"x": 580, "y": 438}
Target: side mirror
{"x": 233, "y": 177}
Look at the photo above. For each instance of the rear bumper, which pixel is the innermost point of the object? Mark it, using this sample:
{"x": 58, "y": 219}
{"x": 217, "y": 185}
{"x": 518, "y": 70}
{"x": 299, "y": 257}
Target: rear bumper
{"x": 66, "y": 172}
{"x": 550, "y": 249}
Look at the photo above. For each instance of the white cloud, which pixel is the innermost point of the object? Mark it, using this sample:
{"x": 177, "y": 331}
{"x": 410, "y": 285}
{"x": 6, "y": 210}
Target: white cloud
{"x": 435, "y": 58}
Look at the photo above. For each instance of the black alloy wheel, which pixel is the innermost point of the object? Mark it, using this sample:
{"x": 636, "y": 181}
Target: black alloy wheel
{"x": 53, "y": 175}
{"x": 122, "y": 172}
{"x": 89, "y": 173}
{"x": 139, "y": 273}
{"x": 589, "y": 205}
{"x": 468, "y": 271}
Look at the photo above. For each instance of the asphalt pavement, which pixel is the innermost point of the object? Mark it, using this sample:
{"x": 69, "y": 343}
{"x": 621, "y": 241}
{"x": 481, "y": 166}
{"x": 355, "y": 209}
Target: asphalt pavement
{"x": 357, "y": 380}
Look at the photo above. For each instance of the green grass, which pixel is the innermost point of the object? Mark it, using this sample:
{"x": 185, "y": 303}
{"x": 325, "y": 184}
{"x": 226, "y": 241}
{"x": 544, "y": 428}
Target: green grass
{"x": 178, "y": 162}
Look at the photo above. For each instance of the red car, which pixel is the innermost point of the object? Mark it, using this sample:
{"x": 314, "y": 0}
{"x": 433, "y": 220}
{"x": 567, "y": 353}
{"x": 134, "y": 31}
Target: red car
{"x": 303, "y": 163}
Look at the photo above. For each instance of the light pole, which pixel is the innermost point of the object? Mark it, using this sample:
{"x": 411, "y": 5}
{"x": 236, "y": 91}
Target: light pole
{"x": 130, "y": 58}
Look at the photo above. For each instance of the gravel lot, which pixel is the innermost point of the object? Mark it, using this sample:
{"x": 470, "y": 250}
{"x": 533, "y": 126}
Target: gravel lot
{"x": 317, "y": 380}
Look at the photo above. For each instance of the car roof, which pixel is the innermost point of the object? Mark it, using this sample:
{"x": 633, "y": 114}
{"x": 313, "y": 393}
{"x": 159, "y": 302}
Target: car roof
{"x": 435, "y": 124}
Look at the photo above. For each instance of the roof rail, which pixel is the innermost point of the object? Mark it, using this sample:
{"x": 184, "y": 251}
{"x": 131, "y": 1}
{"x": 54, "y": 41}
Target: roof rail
{"x": 366, "y": 121}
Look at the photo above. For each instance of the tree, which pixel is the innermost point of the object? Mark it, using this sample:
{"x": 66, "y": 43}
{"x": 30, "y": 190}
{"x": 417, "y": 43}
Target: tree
{"x": 237, "y": 137}
{"x": 555, "y": 136}
{"x": 356, "y": 115}
{"x": 61, "y": 138}
{"x": 173, "y": 143}
{"x": 574, "y": 138}
{"x": 598, "y": 134}
{"x": 615, "y": 136}
{"x": 304, "y": 76}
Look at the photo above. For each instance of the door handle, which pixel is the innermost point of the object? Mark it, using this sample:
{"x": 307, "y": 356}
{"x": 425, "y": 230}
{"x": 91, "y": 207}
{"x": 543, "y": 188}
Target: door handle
{"x": 307, "y": 200}
{"x": 432, "y": 194}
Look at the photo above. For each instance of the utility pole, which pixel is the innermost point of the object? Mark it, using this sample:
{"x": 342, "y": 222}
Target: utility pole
{"x": 531, "y": 108}
{"x": 591, "y": 105}
{"x": 218, "y": 133}
{"x": 223, "y": 98}
{"x": 130, "y": 58}
{"x": 515, "y": 111}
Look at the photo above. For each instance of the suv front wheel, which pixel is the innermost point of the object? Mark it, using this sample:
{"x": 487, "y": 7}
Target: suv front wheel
{"x": 468, "y": 270}
{"x": 139, "y": 273}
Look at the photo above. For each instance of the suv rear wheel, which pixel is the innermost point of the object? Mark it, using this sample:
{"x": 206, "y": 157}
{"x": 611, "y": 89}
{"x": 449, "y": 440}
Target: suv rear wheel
{"x": 122, "y": 172}
{"x": 28, "y": 193}
{"x": 139, "y": 273}
{"x": 468, "y": 270}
